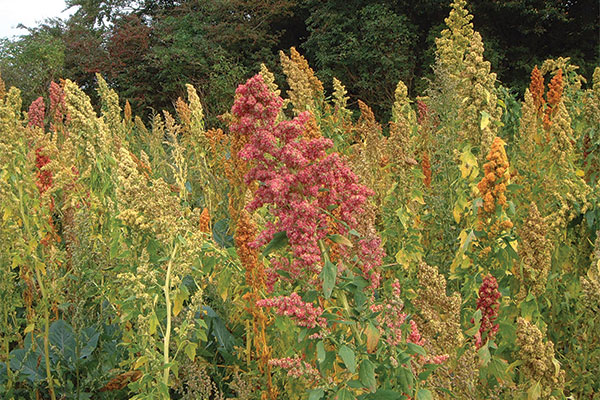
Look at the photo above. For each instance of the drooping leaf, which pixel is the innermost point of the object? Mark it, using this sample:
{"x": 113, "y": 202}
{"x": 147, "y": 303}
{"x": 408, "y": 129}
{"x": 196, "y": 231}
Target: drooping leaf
{"x": 328, "y": 274}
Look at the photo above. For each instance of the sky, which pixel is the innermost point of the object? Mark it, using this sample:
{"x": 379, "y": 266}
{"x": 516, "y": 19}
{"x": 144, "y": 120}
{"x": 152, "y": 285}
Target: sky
{"x": 28, "y": 13}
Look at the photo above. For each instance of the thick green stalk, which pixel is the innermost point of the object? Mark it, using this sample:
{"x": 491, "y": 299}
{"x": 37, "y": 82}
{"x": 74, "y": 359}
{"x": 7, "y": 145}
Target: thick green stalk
{"x": 167, "y": 338}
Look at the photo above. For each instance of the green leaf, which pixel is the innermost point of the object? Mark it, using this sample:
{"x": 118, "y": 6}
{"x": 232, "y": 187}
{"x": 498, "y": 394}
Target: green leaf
{"x": 92, "y": 336}
{"x": 484, "y": 354}
{"x": 152, "y": 323}
{"x": 386, "y": 394}
{"x": 498, "y": 368}
{"x": 347, "y": 355}
{"x": 220, "y": 233}
{"x": 424, "y": 394}
{"x": 406, "y": 379}
{"x": 25, "y": 361}
{"x": 328, "y": 274}
{"x": 62, "y": 341}
{"x": 366, "y": 373}
{"x": 315, "y": 394}
{"x": 344, "y": 394}
{"x": 355, "y": 384}
{"x": 416, "y": 349}
{"x": 320, "y": 352}
{"x": 279, "y": 240}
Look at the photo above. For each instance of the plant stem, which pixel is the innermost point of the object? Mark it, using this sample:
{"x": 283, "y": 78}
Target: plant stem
{"x": 7, "y": 350}
{"x": 167, "y": 338}
{"x": 46, "y": 333}
{"x": 45, "y": 301}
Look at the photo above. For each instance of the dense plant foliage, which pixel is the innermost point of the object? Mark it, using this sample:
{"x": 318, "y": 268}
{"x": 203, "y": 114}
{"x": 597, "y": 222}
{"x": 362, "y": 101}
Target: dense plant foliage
{"x": 301, "y": 252}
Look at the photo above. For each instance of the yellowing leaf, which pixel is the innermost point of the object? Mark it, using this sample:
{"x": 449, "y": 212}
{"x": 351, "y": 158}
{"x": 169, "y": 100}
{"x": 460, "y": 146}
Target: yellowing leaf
{"x": 181, "y": 295}
{"x": 30, "y": 328}
{"x": 41, "y": 266}
{"x": 580, "y": 173}
{"x": 373, "y": 336}
{"x": 485, "y": 120}
{"x": 190, "y": 350}
{"x": 339, "y": 239}
{"x": 468, "y": 162}
{"x": 417, "y": 196}
{"x": 152, "y": 324}
{"x": 140, "y": 361}
{"x": 534, "y": 391}
{"x": 456, "y": 212}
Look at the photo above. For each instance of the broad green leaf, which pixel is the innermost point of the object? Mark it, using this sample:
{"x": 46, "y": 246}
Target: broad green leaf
{"x": 406, "y": 379}
{"x": 91, "y": 335}
{"x": 415, "y": 349}
{"x": 484, "y": 354}
{"x": 279, "y": 240}
{"x": 315, "y": 394}
{"x": 62, "y": 341}
{"x": 347, "y": 355}
{"x": 344, "y": 394}
{"x": 386, "y": 394}
{"x": 320, "y": 352}
{"x": 328, "y": 274}
{"x": 366, "y": 373}
{"x": 26, "y": 363}
{"x": 424, "y": 394}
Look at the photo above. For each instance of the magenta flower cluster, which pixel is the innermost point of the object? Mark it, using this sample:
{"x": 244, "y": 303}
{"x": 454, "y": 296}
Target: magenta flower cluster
{"x": 58, "y": 106}
{"x": 392, "y": 318}
{"x": 297, "y": 178}
{"x": 371, "y": 254}
{"x": 36, "y": 113}
{"x": 489, "y": 305}
{"x": 296, "y": 367}
{"x": 303, "y": 314}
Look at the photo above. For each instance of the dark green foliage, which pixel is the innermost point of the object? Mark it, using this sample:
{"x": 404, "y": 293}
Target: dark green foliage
{"x": 149, "y": 49}
{"x": 366, "y": 45}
